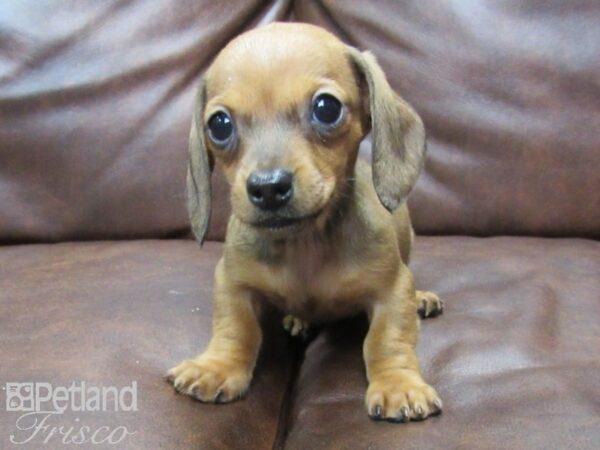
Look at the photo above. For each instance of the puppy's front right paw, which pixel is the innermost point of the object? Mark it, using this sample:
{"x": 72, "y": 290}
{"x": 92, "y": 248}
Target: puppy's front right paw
{"x": 210, "y": 379}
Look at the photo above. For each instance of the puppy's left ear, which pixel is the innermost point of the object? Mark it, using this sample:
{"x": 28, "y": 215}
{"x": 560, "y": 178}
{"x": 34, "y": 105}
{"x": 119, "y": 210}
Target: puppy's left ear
{"x": 398, "y": 134}
{"x": 199, "y": 171}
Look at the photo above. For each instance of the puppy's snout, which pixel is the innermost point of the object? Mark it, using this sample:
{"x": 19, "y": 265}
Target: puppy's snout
{"x": 270, "y": 189}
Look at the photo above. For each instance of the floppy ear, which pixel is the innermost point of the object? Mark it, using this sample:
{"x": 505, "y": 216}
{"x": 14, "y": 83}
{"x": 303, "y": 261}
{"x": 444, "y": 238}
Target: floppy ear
{"x": 199, "y": 170}
{"x": 398, "y": 134}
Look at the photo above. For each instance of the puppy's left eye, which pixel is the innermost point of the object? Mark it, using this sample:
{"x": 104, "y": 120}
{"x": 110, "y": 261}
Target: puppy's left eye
{"x": 326, "y": 109}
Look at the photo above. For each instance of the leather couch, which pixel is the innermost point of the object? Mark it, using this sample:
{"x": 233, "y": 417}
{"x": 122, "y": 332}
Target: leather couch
{"x": 100, "y": 281}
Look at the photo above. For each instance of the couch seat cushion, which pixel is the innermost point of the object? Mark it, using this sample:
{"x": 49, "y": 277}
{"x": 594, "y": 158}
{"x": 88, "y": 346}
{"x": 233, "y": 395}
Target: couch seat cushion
{"x": 111, "y": 313}
{"x": 515, "y": 357}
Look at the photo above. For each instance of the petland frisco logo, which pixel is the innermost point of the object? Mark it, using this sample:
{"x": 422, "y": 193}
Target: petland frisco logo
{"x": 42, "y": 404}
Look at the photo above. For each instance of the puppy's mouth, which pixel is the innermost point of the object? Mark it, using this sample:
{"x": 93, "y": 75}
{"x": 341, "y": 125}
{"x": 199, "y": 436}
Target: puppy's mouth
{"x": 281, "y": 223}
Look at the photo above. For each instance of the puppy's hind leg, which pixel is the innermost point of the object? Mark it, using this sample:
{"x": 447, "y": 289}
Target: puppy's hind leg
{"x": 429, "y": 304}
{"x": 295, "y": 326}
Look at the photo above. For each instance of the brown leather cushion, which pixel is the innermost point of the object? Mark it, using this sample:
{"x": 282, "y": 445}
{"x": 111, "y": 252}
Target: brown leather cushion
{"x": 112, "y": 313}
{"x": 95, "y": 109}
{"x": 509, "y": 93}
{"x": 96, "y": 100}
{"x": 515, "y": 357}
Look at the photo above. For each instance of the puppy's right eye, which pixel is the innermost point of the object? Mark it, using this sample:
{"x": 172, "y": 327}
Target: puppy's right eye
{"x": 220, "y": 127}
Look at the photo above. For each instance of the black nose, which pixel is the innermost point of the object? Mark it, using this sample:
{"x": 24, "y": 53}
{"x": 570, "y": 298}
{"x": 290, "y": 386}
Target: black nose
{"x": 270, "y": 189}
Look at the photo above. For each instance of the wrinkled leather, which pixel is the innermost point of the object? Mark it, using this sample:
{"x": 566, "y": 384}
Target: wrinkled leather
{"x": 95, "y": 110}
{"x": 510, "y": 97}
{"x": 515, "y": 357}
{"x": 112, "y": 313}
{"x": 95, "y": 105}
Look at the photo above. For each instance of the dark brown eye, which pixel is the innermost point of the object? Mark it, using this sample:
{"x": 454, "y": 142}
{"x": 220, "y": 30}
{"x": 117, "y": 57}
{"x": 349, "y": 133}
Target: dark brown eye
{"x": 326, "y": 109}
{"x": 220, "y": 127}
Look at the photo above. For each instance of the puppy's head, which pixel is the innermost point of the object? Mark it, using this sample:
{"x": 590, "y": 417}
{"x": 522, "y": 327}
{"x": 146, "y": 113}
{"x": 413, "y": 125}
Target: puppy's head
{"x": 282, "y": 110}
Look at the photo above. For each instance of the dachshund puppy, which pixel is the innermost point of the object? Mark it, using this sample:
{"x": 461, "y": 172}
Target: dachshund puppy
{"x": 282, "y": 111}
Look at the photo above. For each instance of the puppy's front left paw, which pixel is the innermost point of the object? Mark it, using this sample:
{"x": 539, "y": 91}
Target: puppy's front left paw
{"x": 400, "y": 397}
{"x": 210, "y": 379}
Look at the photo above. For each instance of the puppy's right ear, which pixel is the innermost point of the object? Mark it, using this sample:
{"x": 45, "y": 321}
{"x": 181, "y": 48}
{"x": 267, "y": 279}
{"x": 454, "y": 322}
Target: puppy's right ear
{"x": 199, "y": 171}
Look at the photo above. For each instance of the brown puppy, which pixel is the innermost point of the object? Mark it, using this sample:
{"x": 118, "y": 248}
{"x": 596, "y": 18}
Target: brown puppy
{"x": 282, "y": 110}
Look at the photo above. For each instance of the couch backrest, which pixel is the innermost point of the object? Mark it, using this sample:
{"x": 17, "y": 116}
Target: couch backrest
{"x": 96, "y": 100}
{"x": 95, "y": 107}
{"x": 509, "y": 91}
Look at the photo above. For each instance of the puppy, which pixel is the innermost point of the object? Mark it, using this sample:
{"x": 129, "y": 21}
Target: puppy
{"x": 282, "y": 111}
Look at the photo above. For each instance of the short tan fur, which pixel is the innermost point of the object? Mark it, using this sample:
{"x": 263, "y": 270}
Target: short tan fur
{"x": 346, "y": 244}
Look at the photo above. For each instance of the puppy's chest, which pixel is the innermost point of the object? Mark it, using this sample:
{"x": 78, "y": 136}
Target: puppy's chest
{"x": 315, "y": 286}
